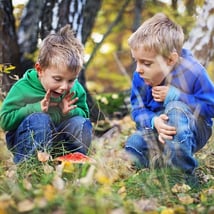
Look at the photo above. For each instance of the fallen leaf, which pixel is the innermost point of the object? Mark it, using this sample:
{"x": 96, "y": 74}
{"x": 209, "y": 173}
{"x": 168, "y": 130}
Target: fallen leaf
{"x": 102, "y": 178}
{"x": 147, "y": 205}
{"x": 25, "y": 206}
{"x": 167, "y": 211}
{"x": 180, "y": 188}
{"x": 47, "y": 168}
{"x": 5, "y": 202}
{"x": 27, "y": 185}
{"x": 43, "y": 156}
{"x": 185, "y": 199}
{"x": 122, "y": 192}
{"x": 49, "y": 192}
{"x": 40, "y": 202}
{"x": 58, "y": 182}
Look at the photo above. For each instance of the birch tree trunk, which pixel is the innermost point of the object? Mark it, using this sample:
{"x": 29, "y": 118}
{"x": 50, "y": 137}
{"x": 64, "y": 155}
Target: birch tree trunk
{"x": 201, "y": 38}
{"x": 28, "y": 32}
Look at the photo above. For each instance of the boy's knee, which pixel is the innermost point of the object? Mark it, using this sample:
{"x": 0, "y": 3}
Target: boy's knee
{"x": 39, "y": 118}
{"x": 177, "y": 106}
{"x": 179, "y": 115}
{"x": 87, "y": 126}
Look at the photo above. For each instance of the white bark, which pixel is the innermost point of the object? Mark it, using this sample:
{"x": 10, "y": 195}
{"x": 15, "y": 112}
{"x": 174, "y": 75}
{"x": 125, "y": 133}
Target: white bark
{"x": 201, "y": 38}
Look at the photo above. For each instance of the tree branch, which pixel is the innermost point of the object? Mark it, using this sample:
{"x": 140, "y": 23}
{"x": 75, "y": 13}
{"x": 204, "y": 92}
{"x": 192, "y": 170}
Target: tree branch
{"x": 113, "y": 24}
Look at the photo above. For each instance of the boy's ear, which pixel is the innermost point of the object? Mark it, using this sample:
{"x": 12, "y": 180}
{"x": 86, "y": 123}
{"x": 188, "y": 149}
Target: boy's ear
{"x": 38, "y": 68}
{"x": 172, "y": 59}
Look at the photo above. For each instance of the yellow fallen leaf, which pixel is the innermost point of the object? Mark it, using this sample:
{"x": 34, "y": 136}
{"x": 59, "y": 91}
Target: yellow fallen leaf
{"x": 203, "y": 197}
{"x": 167, "y": 211}
{"x": 102, "y": 178}
{"x": 49, "y": 192}
{"x": 179, "y": 209}
{"x": 5, "y": 202}
{"x": 3, "y": 210}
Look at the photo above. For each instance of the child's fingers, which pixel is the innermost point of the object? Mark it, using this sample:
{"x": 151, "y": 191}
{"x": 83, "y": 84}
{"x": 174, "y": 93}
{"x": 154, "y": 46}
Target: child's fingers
{"x": 48, "y": 94}
{"x": 71, "y": 102}
{"x": 160, "y": 139}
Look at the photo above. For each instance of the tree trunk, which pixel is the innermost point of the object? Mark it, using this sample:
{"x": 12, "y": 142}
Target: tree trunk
{"x": 28, "y": 33}
{"x": 201, "y": 38}
{"x": 9, "y": 49}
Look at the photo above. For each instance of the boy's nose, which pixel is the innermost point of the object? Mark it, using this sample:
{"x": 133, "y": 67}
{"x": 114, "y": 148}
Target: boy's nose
{"x": 139, "y": 69}
{"x": 65, "y": 86}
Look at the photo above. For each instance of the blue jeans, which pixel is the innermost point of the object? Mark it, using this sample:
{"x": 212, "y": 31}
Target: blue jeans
{"x": 37, "y": 132}
{"x": 192, "y": 134}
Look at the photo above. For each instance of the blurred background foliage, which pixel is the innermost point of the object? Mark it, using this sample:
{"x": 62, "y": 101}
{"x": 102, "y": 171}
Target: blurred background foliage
{"x": 110, "y": 70}
{"x": 109, "y": 66}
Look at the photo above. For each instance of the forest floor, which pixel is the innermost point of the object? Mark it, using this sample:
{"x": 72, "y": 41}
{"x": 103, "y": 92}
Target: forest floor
{"x": 109, "y": 185}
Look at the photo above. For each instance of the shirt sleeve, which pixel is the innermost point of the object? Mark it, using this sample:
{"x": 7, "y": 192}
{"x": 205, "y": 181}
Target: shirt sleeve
{"x": 141, "y": 114}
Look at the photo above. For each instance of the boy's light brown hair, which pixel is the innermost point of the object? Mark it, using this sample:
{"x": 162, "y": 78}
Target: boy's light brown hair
{"x": 61, "y": 49}
{"x": 159, "y": 34}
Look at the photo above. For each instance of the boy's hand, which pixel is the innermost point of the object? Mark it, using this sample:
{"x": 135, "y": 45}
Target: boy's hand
{"x": 165, "y": 131}
{"x": 159, "y": 93}
{"x": 67, "y": 103}
{"x": 45, "y": 103}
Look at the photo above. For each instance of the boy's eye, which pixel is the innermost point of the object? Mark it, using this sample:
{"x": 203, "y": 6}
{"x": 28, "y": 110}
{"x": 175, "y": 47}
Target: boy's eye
{"x": 57, "y": 79}
{"x": 147, "y": 63}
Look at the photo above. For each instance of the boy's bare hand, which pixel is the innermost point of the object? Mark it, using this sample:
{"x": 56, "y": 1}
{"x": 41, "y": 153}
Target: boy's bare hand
{"x": 165, "y": 131}
{"x": 67, "y": 103}
{"x": 46, "y": 101}
{"x": 159, "y": 93}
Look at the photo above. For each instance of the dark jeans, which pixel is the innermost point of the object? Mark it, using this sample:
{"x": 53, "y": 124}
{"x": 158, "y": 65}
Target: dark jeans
{"x": 38, "y": 133}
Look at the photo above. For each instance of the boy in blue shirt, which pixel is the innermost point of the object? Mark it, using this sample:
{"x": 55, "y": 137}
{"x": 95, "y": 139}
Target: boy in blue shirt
{"x": 172, "y": 98}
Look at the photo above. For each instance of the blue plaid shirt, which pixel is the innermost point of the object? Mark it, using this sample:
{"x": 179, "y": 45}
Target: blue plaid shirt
{"x": 189, "y": 83}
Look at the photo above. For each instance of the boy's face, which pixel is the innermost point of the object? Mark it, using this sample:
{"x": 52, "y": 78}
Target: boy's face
{"x": 58, "y": 81}
{"x": 151, "y": 67}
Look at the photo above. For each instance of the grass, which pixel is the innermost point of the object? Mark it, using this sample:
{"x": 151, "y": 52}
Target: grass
{"x": 109, "y": 186}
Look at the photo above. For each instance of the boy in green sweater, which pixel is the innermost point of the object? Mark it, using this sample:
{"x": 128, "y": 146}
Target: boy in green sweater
{"x": 47, "y": 107}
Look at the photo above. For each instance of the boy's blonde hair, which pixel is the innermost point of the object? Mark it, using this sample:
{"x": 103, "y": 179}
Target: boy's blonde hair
{"x": 61, "y": 49}
{"x": 159, "y": 34}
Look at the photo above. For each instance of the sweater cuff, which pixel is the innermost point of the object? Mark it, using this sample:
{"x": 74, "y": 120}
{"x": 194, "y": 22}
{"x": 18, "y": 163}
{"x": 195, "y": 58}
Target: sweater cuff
{"x": 152, "y": 122}
{"x": 172, "y": 95}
